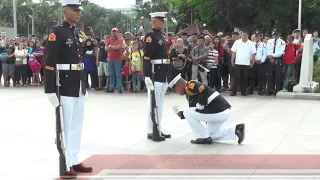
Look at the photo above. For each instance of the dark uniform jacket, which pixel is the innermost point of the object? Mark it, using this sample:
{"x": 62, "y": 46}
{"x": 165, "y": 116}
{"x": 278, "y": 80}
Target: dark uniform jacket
{"x": 65, "y": 46}
{"x": 198, "y": 93}
{"x": 155, "y": 48}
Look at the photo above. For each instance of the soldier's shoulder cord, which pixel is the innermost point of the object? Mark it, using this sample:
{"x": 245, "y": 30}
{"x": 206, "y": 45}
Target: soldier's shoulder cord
{"x": 82, "y": 33}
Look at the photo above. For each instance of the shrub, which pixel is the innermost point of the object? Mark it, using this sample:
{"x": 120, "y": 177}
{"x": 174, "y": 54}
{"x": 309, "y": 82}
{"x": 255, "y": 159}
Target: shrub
{"x": 316, "y": 72}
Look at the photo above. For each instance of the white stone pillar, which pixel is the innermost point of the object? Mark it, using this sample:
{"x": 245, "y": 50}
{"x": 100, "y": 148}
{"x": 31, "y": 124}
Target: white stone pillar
{"x": 306, "y": 71}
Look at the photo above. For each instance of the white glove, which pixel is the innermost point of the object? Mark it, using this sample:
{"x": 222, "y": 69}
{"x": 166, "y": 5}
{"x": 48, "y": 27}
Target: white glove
{"x": 199, "y": 106}
{"x": 86, "y": 97}
{"x": 149, "y": 83}
{"x": 175, "y": 109}
{"x": 53, "y": 99}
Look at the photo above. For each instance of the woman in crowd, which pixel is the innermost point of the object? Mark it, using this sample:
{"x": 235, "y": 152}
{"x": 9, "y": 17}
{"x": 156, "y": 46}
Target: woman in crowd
{"x": 90, "y": 62}
{"x": 38, "y": 53}
{"x": 21, "y": 65}
{"x": 178, "y": 56}
{"x": 219, "y": 47}
{"x": 34, "y": 65}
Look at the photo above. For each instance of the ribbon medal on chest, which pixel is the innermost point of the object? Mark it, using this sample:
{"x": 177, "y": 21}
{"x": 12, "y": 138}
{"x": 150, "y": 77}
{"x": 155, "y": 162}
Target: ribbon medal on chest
{"x": 80, "y": 37}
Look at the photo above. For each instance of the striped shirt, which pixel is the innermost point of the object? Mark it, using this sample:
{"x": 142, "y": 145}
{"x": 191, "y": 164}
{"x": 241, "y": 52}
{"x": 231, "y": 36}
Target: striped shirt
{"x": 212, "y": 54}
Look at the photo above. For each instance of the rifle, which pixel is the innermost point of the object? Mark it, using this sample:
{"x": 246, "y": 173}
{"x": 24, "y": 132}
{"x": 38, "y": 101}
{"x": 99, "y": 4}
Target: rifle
{"x": 155, "y": 130}
{"x": 64, "y": 165}
{"x": 204, "y": 68}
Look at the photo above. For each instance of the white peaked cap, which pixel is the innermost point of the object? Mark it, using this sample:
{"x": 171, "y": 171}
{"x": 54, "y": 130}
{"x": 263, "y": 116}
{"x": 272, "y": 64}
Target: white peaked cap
{"x": 158, "y": 14}
{"x": 70, "y": 2}
{"x": 174, "y": 81}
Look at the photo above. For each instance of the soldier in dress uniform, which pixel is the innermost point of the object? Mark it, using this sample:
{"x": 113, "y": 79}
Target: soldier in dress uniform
{"x": 156, "y": 61}
{"x": 206, "y": 105}
{"x": 64, "y": 55}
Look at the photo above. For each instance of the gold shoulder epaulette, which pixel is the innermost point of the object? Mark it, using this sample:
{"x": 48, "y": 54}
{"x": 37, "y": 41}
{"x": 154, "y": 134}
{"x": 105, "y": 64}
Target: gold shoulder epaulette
{"x": 84, "y": 35}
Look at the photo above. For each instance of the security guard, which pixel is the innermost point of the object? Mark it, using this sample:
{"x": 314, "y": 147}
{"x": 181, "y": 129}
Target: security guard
{"x": 206, "y": 105}
{"x": 64, "y": 54}
{"x": 275, "y": 51}
{"x": 257, "y": 74}
{"x": 156, "y": 60}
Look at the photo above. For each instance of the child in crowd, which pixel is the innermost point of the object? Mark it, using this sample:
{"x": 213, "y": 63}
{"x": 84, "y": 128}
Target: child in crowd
{"x": 35, "y": 67}
{"x": 136, "y": 59}
{"x": 126, "y": 73}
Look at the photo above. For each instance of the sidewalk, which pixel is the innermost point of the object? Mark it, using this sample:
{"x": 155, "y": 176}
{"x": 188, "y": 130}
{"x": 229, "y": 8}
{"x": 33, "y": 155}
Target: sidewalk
{"x": 115, "y": 124}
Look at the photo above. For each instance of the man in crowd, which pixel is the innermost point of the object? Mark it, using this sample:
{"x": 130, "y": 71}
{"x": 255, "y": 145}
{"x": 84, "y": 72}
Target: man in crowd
{"x": 185, "y": 37}
{"x": 206, "y": 105}
{"x": 275, "y": 50}
{"x": 243, "y": 56}
{"x": 3, "y": 38}
{"x": 297, "y": 38}
{"x": 103, "y": 64}
{"x": 114, "y": 47}
{"x": 72, "y": 84}
{"x": 155, "y": 65}
{"x": 258, "y": 71}
{"x": 199, "y": 55}
{"x": 8, "y": 67}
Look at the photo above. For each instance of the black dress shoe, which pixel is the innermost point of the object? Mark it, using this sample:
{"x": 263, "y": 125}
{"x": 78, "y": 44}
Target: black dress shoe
{"x": 240, "y": 132}
{"x": 269, "y": 94}
{"x": 233, "y": 94}
{"x": 243, "y": 94}
{"x": 166, "y": 135}
{"x": 202, "y": 141}
{"x": 161, "y": 138}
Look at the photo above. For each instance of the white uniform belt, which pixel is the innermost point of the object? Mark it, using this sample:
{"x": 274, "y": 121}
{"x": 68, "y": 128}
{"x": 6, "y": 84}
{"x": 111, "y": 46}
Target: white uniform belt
{"x": 72, "y": 67}
{"x": 212, "y": 96}
{"x": 160, "y": 61}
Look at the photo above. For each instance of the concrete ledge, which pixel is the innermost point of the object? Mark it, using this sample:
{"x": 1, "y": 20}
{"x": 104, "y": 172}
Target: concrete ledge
{"x": 298, "y": 95}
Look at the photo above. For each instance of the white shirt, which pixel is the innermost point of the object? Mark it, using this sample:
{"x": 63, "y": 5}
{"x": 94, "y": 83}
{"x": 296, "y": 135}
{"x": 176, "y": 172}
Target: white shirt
{"x": 244, "y": 51}
{"x": 261, "y": 49}
{"x": 296, "y": 41}
{"x": 21, "y": 53}
{"x": 279, "y": 46}
{"x": 315, "y": 47}
{"x": 211, "y": 57}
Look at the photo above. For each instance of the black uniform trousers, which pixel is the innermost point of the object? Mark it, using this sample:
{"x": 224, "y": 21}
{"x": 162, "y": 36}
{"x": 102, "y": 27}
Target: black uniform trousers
{"x": 241, "y": 76}
{"x": 257, "y": 74}
{"x": 274, "y": 75}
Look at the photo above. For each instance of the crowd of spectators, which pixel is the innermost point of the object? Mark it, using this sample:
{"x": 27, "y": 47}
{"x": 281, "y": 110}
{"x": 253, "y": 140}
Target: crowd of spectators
{"x": 235, "y": 61}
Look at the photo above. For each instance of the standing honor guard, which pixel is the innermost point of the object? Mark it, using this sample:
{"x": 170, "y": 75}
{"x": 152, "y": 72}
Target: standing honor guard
{"x": 206, "y": 105}
{"x": 155, "y": 65}
{"x": 65, "y": 87}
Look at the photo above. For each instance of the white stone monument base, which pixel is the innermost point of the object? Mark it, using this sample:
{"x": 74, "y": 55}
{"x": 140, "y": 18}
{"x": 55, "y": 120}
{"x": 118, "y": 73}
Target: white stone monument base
{"x": 311, "y": 87}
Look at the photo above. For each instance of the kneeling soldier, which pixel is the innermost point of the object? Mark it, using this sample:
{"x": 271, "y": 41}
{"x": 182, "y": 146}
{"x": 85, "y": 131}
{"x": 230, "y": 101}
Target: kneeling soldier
{"x": 206, "y": 105}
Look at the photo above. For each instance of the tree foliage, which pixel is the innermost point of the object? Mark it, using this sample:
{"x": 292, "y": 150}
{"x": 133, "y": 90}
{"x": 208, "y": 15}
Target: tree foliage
{"x": 263, "y": 15}
{"x": 48, "y": 13}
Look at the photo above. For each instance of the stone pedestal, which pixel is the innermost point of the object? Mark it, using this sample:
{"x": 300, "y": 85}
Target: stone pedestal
{"x": 306, "y": 72}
